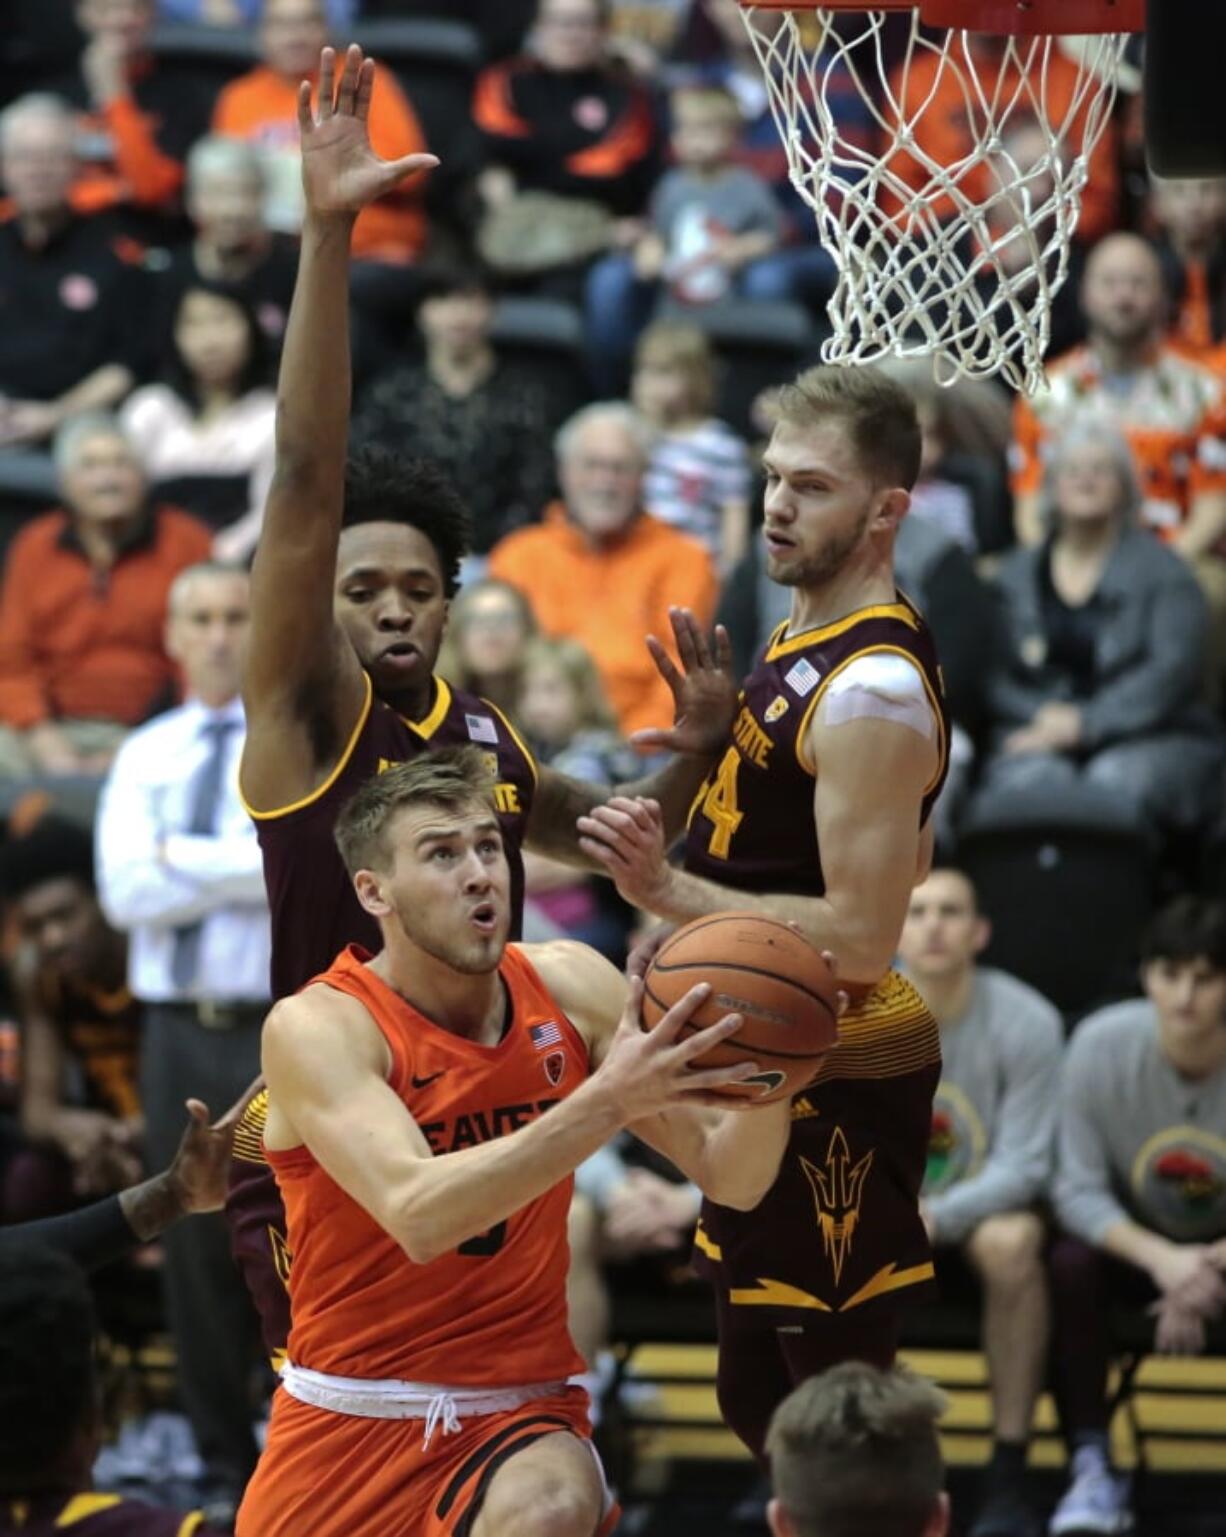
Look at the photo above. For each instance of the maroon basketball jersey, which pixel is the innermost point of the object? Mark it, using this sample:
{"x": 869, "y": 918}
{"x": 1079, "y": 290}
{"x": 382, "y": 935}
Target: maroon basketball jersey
{"x": 752, "y": 824}
{"x": 315, "y": 915}
{"x": 315, "y": 911}
{"x": 840, "y": 1229}
{"x": 95, "y": 1515}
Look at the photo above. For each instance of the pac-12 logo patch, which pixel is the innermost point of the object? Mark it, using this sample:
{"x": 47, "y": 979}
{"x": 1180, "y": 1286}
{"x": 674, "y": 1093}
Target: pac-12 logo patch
{"x": 802, "y": 677}
{"x": 555, "y": 1067}
{"x": 777, "y": 707}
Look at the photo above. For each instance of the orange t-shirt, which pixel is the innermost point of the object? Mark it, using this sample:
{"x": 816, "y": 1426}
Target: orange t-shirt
{"x": 1174, "y": 418}
{"x": 932, "y": 95}
{"x": 610, "y": 599}
{"x": 493, "y": 1312}
{"x": 262, "y": 106}
{"x": 76, "y": 642}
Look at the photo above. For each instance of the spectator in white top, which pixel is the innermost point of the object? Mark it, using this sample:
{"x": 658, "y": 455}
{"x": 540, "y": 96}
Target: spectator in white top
{"x": 698, "y": 476}
{"x": 989, "y": 1159}
{"x": 205, "y": 434}
{"x": 179, "y": 868}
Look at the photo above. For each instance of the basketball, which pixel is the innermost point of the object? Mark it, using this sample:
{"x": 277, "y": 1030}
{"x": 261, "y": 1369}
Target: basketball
{"x": 766, "y": 972}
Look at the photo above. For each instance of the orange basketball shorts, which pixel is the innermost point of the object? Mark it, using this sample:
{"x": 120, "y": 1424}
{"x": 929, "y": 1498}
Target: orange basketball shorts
{"x": 340, "y": 1475}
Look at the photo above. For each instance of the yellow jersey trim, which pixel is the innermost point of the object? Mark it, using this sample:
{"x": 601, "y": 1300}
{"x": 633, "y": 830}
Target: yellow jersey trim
{"x": 889, "y": 1280}
{"x": 777, "y": 1294}
{"x": 191, "y": 1523}
{"x": 433, "y": 719}
{"x": 771, "y": 1293}
{"x": 805, "y": 720}
{"x": 278, "y": 1359}
{"x": 341, "y": 764}
{"x": 82, "y": 1506}
{"x": 778, "y": 646}
{"x": 518, "y": 740}
{"x": 708, "y": 1245}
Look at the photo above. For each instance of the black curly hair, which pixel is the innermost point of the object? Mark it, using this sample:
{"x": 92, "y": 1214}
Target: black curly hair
{"x": 384, "y": 486}
{"x": 53, "y": 849}
{"x": 48, "y": 1384}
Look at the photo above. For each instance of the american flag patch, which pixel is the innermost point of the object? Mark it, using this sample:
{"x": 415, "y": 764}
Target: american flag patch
{"x": 803, "y": 677}
{"x": 546, "y": 1035}
{"x": 481, "y": 729}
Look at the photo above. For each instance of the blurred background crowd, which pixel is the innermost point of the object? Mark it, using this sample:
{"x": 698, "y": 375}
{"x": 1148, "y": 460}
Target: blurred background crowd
{"x": 581, "y": 315}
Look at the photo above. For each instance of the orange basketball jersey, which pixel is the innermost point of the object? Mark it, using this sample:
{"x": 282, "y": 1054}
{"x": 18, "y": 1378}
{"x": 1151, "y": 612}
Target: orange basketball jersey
{"x": 493, "y": 1312}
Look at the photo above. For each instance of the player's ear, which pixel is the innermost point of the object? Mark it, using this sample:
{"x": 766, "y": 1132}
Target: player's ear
{"x": 983, "y": 934}
{"x": 892, "y": 506}
{"x": 368, "y": 884}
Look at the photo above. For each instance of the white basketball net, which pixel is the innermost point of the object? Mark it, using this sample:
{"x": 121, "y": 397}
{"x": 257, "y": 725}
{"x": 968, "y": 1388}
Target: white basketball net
{"x": 959, "y": 261}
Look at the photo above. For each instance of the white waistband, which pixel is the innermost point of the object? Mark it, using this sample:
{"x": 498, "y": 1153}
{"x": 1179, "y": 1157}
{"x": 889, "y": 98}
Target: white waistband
{"x": 371, "y": 1398}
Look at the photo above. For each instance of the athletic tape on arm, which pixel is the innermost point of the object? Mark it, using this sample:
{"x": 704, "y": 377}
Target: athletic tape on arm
{"x": 880, "y": 687}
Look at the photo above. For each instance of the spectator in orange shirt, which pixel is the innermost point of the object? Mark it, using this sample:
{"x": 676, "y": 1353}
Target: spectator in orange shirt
{"x": 601, "y": 570}
{"x": 136, "y": 124}
{"x": 930, "y": 90}
{"x": 262, "y": 106}
{"x": 1191, "y": 219}
{"x": 1171, "y": 410}
{"x": 83, "y": 606}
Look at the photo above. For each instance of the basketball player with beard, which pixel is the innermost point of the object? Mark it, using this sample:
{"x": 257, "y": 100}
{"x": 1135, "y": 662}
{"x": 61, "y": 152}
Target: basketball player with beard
{"x": 818, "y": 813}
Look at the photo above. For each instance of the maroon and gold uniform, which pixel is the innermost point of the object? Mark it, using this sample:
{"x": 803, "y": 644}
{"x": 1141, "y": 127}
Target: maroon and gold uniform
{"x": 101, "y": 1031}
{"x": 95, "y": 1515}
{"x": 840, "y": 1231}
{"x": 315, "y": 915}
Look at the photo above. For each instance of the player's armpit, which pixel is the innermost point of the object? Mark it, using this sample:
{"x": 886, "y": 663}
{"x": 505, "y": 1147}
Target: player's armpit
{"x": 866, "y": 806}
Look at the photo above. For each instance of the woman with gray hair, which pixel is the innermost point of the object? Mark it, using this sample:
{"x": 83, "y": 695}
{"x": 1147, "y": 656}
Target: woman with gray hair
{"x": 1100, "y": 676}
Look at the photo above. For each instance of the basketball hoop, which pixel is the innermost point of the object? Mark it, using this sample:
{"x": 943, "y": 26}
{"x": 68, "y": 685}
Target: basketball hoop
{"x": 957, "y": 259}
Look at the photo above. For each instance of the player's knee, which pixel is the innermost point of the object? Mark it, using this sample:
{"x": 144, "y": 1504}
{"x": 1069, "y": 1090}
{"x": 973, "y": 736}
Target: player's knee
{"x": 1007, "y": 1248}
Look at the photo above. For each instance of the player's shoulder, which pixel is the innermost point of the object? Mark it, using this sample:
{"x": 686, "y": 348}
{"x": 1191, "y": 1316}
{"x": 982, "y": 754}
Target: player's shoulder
{"x": 1014, "y": 1004}
{"x": 587, "y": 988}
{"x": 883, "y": 684}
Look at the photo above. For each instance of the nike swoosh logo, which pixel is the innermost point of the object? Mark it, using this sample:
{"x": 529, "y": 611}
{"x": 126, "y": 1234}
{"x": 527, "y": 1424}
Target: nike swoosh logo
{"x": 421, "y": 1083}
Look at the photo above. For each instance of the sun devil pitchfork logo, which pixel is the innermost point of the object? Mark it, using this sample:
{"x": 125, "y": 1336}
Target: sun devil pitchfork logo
{"x": 838, "y": 1187}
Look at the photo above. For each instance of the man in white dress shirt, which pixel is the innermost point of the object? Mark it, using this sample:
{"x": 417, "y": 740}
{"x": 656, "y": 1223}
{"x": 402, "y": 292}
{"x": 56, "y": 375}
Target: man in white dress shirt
{"x": 179, "y": 868}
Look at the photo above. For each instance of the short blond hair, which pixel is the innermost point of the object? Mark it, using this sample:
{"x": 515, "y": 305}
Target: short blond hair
{"x": 451, "y": 778}
{"x": 672, "y": 344}
{"x": 574, "y": 661}
{"x": 854, "y": 1452}
{"x": 879, "y": 413}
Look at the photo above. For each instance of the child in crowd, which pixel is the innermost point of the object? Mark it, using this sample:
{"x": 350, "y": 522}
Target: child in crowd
{"x": 699, "y": 475}
{"x": 491, "y": 625}
{"x": 569, "y": 725}
{"x": 714, "y": 230}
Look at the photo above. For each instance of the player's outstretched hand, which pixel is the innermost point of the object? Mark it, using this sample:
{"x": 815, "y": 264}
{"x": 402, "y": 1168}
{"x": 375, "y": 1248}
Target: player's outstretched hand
{"x": 341, "y": 173}
{"x": 704, "y": 689}
{"x": 200, "y": 1170}
{"x": 646, "y": 1071}
{"x": 626, "y": 837}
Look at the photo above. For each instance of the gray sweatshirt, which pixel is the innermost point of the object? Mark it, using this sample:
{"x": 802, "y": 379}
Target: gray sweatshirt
{"x": 1137, "y": 1139}
{"x": 994, "y": 1116}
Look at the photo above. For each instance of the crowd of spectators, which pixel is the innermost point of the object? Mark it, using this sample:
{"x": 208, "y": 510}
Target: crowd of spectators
{"x": 546, "y": 317}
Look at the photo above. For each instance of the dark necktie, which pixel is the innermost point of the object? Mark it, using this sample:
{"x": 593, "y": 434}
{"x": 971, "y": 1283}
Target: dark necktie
{"x": 206, "y": 802}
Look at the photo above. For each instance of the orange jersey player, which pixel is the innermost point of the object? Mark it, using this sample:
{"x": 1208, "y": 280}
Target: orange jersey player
{"x": 350, "y": 591}
{"x": 426, "y": 1110}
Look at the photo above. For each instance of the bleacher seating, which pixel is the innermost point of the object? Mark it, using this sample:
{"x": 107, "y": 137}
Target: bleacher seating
{"x": 1068, "y": 882}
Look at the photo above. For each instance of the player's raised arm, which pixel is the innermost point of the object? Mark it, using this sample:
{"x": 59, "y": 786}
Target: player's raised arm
{"x": 302, "y": 685}
{"x": 326, "y": 1066}
{"x": 730, "y": 1149}
{"x": 875, "y": 772}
